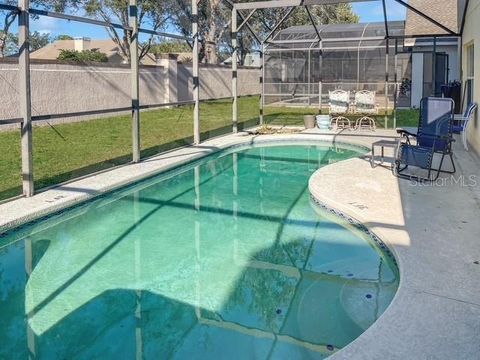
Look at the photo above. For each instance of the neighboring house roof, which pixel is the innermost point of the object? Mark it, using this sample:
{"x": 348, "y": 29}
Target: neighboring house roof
{"x": 107, "y": 46}
{"x": 442, "y": 11}
{"x": 52, "y": 51}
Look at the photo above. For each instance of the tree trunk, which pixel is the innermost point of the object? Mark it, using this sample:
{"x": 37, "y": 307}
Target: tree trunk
{"x": 7, "y": 22}
{"x": 211, "y": 56}
{"x": 211, "y": 52}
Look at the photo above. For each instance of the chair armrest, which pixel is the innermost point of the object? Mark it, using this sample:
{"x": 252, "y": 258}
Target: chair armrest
{"x": 406, "y": 133}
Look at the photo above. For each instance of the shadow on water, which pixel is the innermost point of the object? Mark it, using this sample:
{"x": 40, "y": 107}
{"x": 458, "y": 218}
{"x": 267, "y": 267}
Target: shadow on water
{"x": 271, "y": 312}
{"x": 282, "y": 302}
{"x": 277, "y": 308}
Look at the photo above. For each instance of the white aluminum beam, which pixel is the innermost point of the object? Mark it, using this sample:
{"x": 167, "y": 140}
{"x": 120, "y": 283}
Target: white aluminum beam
{"x": 25, "y": 97}
{"x": 262, "y": 85}
{"x": 196, "y": 82}
{"x": 245, "y": 20}
{"x": 287, "y": 3}
{"x": 133, "y": 20}
{"x": 234, "y": 72}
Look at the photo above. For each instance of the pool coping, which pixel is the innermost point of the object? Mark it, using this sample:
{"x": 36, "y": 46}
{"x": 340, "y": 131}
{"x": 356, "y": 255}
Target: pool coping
{"x": 404, "y": 320}
{"x": 20, "y": 211}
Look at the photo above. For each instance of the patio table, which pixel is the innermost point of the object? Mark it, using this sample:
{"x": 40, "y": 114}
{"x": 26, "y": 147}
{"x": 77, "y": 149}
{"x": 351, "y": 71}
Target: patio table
{"x": 382, "y": 144}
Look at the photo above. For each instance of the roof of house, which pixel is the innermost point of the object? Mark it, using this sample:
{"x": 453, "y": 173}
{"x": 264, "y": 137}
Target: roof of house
{"x": 442, "y": 11}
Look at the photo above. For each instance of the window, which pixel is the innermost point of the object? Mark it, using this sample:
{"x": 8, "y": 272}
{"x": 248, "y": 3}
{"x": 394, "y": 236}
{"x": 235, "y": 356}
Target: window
{"x": 470, "y": 72}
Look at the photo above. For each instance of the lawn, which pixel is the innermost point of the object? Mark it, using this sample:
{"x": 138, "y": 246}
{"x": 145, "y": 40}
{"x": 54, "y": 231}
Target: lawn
{"x": 66, "y": 151}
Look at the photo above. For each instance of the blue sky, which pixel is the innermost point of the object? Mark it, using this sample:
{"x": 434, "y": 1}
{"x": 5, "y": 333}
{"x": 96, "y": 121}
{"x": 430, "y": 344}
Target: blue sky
{"x": 368, "y": 12}
{"x": 373, "y": 11}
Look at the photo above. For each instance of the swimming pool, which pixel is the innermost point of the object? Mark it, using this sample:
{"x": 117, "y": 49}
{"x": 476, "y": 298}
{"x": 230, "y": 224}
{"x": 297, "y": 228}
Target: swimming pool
{"x": 226, "y": 257}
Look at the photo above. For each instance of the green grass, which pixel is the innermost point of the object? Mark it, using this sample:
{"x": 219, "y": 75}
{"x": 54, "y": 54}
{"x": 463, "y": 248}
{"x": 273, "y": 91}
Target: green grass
{"x": 67, "y": 151}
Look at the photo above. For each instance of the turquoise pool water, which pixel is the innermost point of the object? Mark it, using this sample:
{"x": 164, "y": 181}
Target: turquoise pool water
{"x": 225, "y": 258}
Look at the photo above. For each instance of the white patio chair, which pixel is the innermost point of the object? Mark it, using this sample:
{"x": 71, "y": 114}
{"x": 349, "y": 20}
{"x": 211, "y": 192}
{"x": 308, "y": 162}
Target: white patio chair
{"x": 462, "y": 121}
{"x": 365, "y": 104}
{"x": 338, "y": 106}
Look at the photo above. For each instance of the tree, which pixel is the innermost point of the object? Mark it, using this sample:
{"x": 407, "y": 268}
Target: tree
{"x": 213, "y": 24}
{"x": 166, "y": 47}
{"x": 63, "y": 37}
{"x": 266, "y": 19}
{"x": 37, "y": 41}
{"x": 9, "y": 17}
{"x": 151, "y": 14}
{"x": 263, "y": 21}
{"x": 82, "y": 56}
{"x": 8, "y": 44}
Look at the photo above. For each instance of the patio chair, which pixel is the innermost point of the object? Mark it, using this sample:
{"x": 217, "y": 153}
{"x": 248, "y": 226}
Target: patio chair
{"x": 338, "y": 106}
{"x": 463, "y": 120}
{"x": 365, "y": 105}
{"x": 434, "y": 136}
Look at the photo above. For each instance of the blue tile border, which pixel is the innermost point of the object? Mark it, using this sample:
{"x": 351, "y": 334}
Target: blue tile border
{"x": 358, "y": 225}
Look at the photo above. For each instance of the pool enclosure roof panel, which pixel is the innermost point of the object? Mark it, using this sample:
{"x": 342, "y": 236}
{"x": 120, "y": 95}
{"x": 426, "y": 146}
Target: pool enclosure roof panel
{"x": 336, "y": 35}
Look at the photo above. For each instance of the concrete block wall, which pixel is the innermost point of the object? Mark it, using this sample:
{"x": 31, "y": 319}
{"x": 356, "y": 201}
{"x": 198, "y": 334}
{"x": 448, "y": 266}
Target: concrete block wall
{"x": 216, "y": 82}
{"x": 62, "y": 88}
{"x": 65, "y": 88}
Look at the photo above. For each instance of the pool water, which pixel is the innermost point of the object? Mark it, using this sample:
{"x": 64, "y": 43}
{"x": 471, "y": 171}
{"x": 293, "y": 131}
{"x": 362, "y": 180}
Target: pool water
{"x": 224, "y": 258}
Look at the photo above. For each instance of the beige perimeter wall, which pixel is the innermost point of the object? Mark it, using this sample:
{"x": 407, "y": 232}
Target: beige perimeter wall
{"x": 62, "y": 88}
{"x": 471, "y": 35}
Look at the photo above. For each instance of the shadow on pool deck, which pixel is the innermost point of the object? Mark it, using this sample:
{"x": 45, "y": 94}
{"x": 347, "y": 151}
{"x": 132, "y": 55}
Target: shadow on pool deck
{"x": 433, "y": 229}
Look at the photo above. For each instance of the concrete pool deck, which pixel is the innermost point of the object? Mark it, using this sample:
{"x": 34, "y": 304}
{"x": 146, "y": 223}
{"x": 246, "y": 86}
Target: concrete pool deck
{"x": 433, "y": 230}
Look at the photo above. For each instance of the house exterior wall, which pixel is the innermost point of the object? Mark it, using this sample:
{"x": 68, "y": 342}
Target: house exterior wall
{"x": 471, "y": 35}
{"x": 418, "y": 71}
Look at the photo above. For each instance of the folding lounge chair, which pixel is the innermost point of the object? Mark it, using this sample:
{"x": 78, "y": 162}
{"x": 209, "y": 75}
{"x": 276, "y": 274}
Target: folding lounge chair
{"x": 365, "y": 105}
{"x": 464, "y": 119}
{"x": 434, "y": 136}
{"x": 339, "y": 103}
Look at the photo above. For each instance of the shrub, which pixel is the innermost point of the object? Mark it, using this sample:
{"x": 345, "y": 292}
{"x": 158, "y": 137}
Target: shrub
{"x": 82, "y": 56}
{"x": 167, "y": 47}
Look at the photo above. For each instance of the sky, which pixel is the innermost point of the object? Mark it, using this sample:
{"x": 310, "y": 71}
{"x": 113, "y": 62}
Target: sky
{"x": 368, "y": 12}
{"x": 373, "y": 11}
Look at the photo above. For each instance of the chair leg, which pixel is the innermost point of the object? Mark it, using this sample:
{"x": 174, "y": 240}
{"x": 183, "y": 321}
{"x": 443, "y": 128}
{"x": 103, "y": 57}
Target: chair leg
{"x": 334, "y": 123}
{"x": 365, "y": 122}
{"x": 439, "y": 170}
{"x": 464, "y": 140}
{"x": 356, "y": 124}
{"x": 397, "y": 171}
{"x": 453, "y": 163}
{"x": 341, "y": 122}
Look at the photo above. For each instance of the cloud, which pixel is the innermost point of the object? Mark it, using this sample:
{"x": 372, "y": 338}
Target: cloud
{"x": 45, "y": 25}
